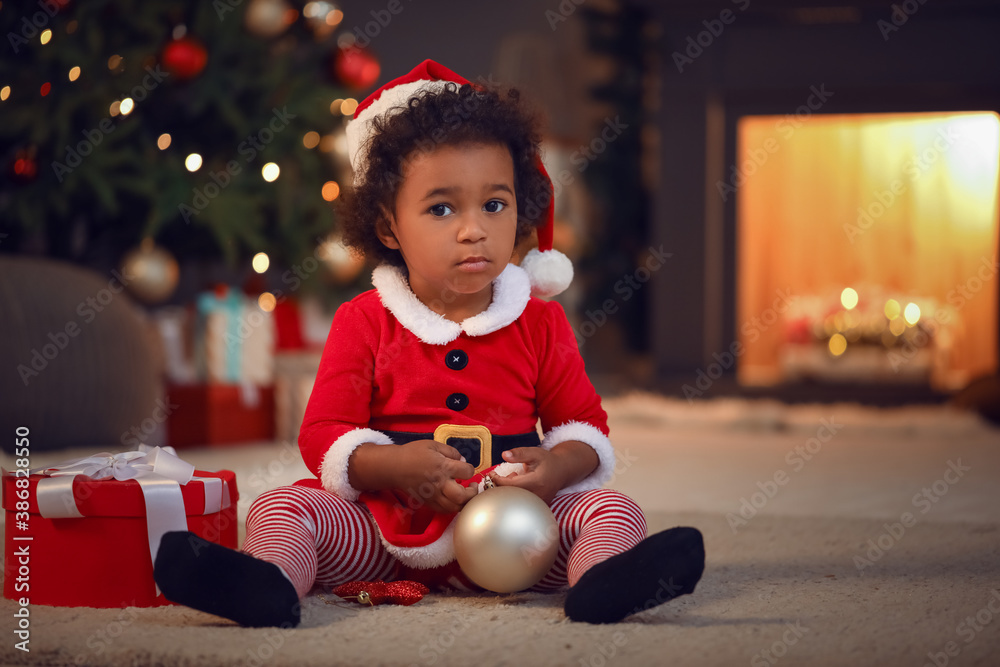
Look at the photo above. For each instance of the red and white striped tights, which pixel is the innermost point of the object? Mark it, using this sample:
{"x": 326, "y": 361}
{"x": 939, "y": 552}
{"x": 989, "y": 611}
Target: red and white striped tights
{"x": 319, "y": 539}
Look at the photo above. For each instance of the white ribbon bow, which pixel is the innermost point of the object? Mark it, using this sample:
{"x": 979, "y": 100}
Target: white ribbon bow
{"x": 159, "y": 471}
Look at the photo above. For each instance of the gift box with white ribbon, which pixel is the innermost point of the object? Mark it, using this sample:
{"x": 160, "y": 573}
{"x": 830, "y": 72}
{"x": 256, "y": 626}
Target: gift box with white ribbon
{"x": 84, "y": 533}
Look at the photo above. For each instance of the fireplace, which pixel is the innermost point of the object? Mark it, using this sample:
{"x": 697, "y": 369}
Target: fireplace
{"x": 866, "y": 247}
{"x": 800, "y": 190}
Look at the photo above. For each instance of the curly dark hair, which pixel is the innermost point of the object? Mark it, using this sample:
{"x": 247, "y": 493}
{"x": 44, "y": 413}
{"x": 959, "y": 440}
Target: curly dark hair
{"x": 457, "y": 115}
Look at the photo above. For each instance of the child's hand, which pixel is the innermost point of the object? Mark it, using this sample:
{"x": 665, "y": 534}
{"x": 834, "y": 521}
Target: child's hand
{"x": 427, "y": 470}
{"x": 541, "y": 473}
{"x": 546, "y": 472}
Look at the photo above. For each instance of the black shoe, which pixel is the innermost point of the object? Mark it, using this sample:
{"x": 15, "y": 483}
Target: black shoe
{"x": 212, "y": 578}
{"x": 658, "y": 569}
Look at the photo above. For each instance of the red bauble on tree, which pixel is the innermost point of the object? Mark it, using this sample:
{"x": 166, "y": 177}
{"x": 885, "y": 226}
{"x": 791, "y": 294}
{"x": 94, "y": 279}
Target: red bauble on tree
{"x": 185, "y": 58}
{"x": 355, "y": 67}
{"x": 23, "y": 168}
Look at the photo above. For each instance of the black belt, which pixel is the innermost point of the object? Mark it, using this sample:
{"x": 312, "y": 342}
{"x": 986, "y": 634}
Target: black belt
{"x": 471, "y": 447}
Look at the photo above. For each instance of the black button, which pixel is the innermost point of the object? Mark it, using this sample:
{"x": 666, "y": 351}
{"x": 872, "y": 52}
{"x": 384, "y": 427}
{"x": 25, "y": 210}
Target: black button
{"x": 457, "y": 401}
{"x": 456, "y": 360}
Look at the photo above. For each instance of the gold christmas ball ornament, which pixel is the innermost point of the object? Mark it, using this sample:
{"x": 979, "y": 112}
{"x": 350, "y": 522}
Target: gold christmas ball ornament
{"x": 344, "y": 266}
{"x": 150, "y": 272}
{"x": 268, "y": 18}
{"x": 506, "y": 539}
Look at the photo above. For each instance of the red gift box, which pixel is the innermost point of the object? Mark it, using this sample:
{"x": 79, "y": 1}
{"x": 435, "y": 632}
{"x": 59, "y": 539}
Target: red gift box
{"x": 102, "y": 559}
{"x": 218, "y": 414}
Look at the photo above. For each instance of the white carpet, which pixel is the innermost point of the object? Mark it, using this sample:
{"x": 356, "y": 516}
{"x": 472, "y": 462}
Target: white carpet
{"x": 782, "y": 585}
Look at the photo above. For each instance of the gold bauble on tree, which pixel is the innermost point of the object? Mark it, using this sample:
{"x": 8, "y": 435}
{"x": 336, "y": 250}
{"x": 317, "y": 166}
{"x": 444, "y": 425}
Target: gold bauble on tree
{"x": 506, "y": 539}
{"x": 268, "y": 18}
{"x": 150, "y": 272}
{"x": 343, "y": 264}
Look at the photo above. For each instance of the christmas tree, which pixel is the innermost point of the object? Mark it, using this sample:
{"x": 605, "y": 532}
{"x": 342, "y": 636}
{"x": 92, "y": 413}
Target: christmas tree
{"x": 213, "y": 128}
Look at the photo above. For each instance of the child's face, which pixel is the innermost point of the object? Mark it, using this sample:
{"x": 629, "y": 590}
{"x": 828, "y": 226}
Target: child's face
{"x": 455, "y": 221}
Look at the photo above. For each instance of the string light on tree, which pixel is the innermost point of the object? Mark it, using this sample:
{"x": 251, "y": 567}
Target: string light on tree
{"x": 349, "y": 106}
{"x": 267, "y": 302}
{"x": 322, "y": 17}
{"x": 261, "y": 262}
{"x": 123, "y": 46}
{"x": 849, "y": 298}
{"x": 331, "y": 190}
{"x": 270, "y": 172}
{"x": 838, "y": 344}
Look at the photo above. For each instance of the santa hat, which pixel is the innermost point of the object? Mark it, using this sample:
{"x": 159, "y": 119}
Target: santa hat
{"x": 549, "y": 270}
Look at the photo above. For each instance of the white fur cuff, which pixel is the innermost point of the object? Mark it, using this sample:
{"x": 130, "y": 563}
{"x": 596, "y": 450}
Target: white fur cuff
{"x": 592, "y": 436}
{"x": 333, "y": 471}
{"x": 436, "y": 554}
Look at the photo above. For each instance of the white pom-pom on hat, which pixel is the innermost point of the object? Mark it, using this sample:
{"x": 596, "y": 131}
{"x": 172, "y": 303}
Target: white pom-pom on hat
{"x": 549, "y": 271}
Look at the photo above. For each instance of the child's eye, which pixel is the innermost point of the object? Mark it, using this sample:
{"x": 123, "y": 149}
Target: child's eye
{"x": 494, "y": 206}
{"x": 440, "y": 210}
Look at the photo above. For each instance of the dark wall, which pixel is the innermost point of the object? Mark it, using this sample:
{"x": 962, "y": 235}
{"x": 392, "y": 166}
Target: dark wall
{"x": 460, "y": 35}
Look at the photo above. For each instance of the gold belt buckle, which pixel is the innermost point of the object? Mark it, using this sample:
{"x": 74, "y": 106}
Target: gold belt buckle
{"x": 472, "y": 431}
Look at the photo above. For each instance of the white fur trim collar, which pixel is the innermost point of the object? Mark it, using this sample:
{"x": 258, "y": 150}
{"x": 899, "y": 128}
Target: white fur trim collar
{"x": 393, "y": 100}
{"x": 511, "y": 293}
{"x": 439, "y": 552}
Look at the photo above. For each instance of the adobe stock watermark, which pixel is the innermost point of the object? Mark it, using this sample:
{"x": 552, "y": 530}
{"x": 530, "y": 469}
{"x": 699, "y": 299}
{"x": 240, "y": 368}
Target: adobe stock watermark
{"x": 248, "y": 149}
{"x": 562, "y": 13}
{"x": 93, "y": 137}
{"x": 581, "y": 159}
{"x": 271, "y": 640}
{"x": 381, "y": 18}
{"x": 696, "y": 45}
{"x": 901, "y": 13}
{"x": 968, "y": 630}
{"x": 913, "y": 169}
{"x": 627, "y": 286}
{"x": 757, "y": 157}
{"x": 752, "y": 330}
{"x": 542, "y": 542}
{"x": 779, "y": 649}
{"x": 33, "y": 24}
{"x": 442, "y": 644}
{"x": 796, "y": 458}
{"x": 262, "y": 478}
{"x": 606, "y": 651}
{"x": 138, "y": 434}
{"x": 59, "y": 340}
{"x": 924, "y": 501}
{"x": 958, "y": 297}
{"x": 102, "y": 639}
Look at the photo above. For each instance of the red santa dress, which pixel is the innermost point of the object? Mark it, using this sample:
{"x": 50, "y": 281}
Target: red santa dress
{"x": 394, "y": 370}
